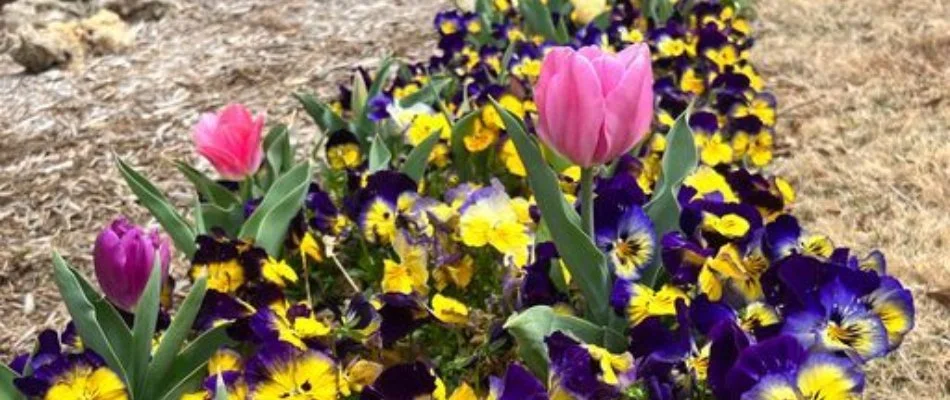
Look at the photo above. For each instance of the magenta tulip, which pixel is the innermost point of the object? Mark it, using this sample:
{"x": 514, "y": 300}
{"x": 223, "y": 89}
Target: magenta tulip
{"x": 231, "y": 141}
{"x": 594, "y": 106}
{"x": 124, "y": 256}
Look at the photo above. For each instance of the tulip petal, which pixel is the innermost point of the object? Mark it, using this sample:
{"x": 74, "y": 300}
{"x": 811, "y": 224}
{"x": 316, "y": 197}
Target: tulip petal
{"x": 610, "y": 70}
{"x": 574, "y": 109}
{"x": 553, "y": 64}
{"x": 630, "y": 105}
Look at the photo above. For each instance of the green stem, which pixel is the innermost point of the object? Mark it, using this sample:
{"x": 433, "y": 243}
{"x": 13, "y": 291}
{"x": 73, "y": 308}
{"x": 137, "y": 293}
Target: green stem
{"x": 587, "y": 201}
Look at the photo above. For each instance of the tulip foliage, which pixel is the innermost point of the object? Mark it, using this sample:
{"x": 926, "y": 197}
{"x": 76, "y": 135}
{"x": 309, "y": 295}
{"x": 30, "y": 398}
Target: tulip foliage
{"x": 570, "y": 199}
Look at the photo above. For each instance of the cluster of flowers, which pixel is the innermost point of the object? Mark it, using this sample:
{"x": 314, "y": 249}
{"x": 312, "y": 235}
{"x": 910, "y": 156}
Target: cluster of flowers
{"x": 639, "y": 253}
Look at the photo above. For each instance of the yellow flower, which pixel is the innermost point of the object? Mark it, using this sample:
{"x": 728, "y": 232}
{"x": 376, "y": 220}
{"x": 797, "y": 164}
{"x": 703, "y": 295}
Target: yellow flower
{"x": 310, "y": 247}
{"x": 730, "y": 225}
{"x": 645, "y": 302}
{"x": 411, "y": 273}
{"x": 424, "y": 125}
{"x": 692, "y": 82}
{"x": 610, "y": 364}
{"x": 278, "y": 272}
{"x": 359, "y": 374}
{"x": 449, "y": 310}
{"x": 726, "y": 56}
{"x": 586, "y": 10}
{"x": 344, "y": 156}
{"x": 714, "y": 150}
{"x": 480, "y": 137}
{"x": 509, "y": 155}
{"x": 458, "y": 274}
{"x": 310, "y": 376}
{"x": 224, "y": 360}
{"x": 707, "y": 181}
{"x": 83, "y": 382}
{"x": 670, "y": 47}
{"x": 463, "y": 392}
{"x": 225, "y": 276}
{"x": 380, "y": 222}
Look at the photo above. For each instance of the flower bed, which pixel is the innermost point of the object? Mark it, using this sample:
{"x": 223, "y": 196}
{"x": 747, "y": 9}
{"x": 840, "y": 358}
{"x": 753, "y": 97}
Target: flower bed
{"x": 570, "y": 200}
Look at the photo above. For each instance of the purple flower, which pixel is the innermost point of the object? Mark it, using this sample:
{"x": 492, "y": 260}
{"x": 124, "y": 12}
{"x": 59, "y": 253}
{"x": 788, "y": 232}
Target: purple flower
{"x": 124, "y": 255}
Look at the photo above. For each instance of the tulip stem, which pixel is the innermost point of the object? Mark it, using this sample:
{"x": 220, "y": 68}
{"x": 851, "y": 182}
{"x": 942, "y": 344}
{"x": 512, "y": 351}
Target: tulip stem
{"x": 587, "y": 201}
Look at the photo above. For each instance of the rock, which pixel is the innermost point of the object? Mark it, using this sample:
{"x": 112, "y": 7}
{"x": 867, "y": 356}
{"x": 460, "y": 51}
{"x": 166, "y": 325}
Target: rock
{"x": 66, "y": 44}
{"x": 106, "y": 33}
{"x": 58, "y": 45}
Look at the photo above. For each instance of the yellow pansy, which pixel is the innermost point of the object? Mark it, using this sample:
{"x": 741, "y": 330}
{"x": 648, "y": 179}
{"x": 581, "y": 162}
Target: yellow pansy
{"x": 449, "y": 310}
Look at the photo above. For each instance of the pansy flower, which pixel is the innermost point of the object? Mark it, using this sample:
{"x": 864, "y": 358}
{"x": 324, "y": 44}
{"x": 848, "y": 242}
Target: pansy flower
{"x": 378, "y": 203}
{"x": 404, "y": 382}
{"x": 411, "y": 273}
{"x": 840, "y": 321}
{"x": 780, "y": 368}
{"x": 584, "y": 370}
{"x": 281, "y": 371}
{"x": 82, "y": 376}
{"x": 343, "y": 150}
{"x": 638, "y": 301}
{"x": 229, "y": 264}
{"x": 489, "y": 218}
{"x": 626, "y": 235}
{"x": 297, "y": 325}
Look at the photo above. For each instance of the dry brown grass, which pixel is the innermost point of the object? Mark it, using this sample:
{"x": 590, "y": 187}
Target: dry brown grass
{"x": 864, "y": 87}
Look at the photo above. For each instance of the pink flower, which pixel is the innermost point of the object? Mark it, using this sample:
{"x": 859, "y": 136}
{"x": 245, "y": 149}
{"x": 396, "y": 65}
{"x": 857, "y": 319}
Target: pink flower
{"x": 231, "y": 141}
{"x": 124, "y": 256}
{"x": 594, "y": 106}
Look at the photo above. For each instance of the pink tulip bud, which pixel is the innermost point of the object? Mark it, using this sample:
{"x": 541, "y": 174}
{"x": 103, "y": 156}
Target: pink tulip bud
{"x": 124, "y": 256}
{"x": 231, "y": 141}
{"x": 594, "y": 106}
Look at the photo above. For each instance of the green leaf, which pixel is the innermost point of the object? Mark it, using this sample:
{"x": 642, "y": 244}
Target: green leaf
{"x": 415, "y": 165}
{"x": 485, "y": 8}
{"x": 267, "y": 226}
{"x": 220, "y": 389}
{"x": 175, "y": 336}
{"x": 143, "y": 329}
{"x": 538, "y": 17}
{"x": 427, "y": 94}
{"x": 191, "y": 382}
{"x": 358, "y": 95}
{"x": 585, "y": 261}
{"x": 280, "y": 156}
{"x": 175, "y": 225}
{"x": 194, "y": 357}
{"x": 322, "y": 115}
{"x": 679, "y": 160}
{"x": 229, "y": 219}
{"x": 379, "y": 155}
{"x": 460, "y": 154}
{"x": 7, "y": 389}
{"x": 212, "y": 191}
{"x": 530, "y": 327}
{"x": 113, "y": 325}
{"x": 84, "y": 316}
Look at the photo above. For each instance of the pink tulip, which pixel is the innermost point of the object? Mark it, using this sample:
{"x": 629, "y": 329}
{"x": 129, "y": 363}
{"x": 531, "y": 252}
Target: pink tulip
{"x": 594, "y": 106}
{"x": 231, "y": 141}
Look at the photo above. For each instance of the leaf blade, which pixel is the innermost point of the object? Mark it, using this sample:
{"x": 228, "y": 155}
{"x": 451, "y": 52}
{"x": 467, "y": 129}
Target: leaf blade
{"x": 418, "y": 159}
{"x": 267, "y": 226}
{"x": 175, "y": 335}
{"x": 143, "y": 328}
{"x": 182, "y": 233}
{"x": 84, "y": 315}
